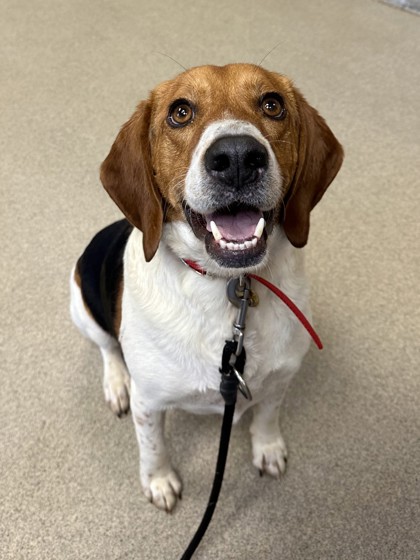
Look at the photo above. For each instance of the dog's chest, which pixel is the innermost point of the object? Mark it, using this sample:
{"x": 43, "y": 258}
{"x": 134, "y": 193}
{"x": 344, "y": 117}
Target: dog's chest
{"x": 173, "y": 331}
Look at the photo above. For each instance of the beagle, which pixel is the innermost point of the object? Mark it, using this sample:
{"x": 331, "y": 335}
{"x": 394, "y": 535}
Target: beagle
{"x": 221, "y": 166}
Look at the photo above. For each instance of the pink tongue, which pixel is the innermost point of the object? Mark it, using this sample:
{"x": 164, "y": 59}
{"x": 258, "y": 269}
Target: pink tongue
{"x": 235, "y": 227}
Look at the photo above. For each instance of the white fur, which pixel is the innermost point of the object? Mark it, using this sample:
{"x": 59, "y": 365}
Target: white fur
{"x": 172, "y": 334}
{"x": 175, "y": 322}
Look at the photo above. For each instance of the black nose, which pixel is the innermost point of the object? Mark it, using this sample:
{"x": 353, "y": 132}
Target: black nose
{"x": 236, "y": 160}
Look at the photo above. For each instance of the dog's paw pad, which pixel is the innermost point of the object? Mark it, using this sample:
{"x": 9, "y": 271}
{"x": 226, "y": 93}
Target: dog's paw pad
{"x": 117, "y": 393}
{"x": 270, "y": 457}
{"x": 164, "y": 490}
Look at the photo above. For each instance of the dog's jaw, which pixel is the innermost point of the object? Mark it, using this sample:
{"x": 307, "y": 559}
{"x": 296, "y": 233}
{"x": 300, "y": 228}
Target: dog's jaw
{"x": 183, "y": 244}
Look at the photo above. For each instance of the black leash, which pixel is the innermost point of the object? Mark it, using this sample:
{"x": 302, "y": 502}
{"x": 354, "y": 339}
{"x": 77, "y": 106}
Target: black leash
{"x": 230, "y": 385}
{"x": 217, "y": 482}
{"x": 232, "y": 369}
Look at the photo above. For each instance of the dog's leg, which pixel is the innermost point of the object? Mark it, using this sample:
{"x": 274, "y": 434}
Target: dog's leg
{"x": 116, "y": 380}
{"x": 268, "y": 447}
{"x": 160, "y": 482}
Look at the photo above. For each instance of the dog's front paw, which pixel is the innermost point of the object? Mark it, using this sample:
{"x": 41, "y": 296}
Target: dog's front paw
{"x": 270, "y": 456}
{"x": 163, "y": 489}
{"x": 117, "y": 391}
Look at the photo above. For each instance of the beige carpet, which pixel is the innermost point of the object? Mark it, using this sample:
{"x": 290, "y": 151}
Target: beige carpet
{"x": 71, "y": 73}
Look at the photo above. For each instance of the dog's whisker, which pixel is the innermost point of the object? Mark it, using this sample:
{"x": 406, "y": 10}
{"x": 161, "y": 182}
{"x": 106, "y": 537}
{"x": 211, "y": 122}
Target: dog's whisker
{"x": 282, "y": 41}
{"x": 274, "y": 140}
{"x": 171, "y": 58}
{"x": 284, "y": 208}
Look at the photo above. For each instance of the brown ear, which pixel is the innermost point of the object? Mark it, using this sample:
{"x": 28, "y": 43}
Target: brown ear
{"x": 127, "y": 176}
{"x": 319, "y": 158}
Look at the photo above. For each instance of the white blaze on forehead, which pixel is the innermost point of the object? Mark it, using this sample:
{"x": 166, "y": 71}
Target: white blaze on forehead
{"x": 197, "y": 192}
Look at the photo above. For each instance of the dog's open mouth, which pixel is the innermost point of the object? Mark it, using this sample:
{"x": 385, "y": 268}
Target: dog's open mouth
{"x": 235, "y": 237}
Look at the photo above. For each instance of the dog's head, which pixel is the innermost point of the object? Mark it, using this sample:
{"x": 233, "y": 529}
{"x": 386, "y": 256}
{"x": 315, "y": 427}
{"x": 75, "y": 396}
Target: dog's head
{"x": 229, "y": 152}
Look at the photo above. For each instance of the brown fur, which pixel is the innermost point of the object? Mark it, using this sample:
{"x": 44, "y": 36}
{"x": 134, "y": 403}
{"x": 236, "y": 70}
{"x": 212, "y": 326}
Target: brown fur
{"x": 118, "y": 308}
{"x": 145, "y": 170}
{"x": 78, "y": 280}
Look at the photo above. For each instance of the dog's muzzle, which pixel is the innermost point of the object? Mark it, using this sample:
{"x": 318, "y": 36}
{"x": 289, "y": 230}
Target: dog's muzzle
{"x": 236, "y": 231}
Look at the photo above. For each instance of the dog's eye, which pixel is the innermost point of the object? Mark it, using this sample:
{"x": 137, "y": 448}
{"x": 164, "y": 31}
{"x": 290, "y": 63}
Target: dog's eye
{"x": 273, "y": 106}
{"x": 181, "y": 113}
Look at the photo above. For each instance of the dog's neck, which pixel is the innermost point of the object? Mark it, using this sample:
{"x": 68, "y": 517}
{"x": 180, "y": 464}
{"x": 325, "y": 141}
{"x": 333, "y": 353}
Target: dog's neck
{"x": 279, "y": 293}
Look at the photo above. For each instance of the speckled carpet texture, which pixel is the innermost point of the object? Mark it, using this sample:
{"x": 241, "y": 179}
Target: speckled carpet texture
{"x": 71, "y": 74}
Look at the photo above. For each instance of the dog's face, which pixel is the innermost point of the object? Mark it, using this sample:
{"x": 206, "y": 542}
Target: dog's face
{"x": 230, "y": 151}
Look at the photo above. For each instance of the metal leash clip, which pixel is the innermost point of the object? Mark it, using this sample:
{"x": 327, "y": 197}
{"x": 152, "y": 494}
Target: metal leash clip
{"x": 240, "y": 295}
{"x": 242, "y": 386}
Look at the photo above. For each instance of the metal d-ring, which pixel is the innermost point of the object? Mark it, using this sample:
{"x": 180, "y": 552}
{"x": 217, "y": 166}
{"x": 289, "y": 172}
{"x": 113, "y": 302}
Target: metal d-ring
{"x": 236, "y": 289}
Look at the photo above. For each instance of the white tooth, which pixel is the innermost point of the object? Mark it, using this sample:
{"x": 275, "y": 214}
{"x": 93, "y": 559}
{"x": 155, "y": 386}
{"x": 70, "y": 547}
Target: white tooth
{"x": 248, "y": 244}
{"x": 242, "y": 246}
{"x": 231, "y": 246}
{"x": 260, "y": 228}
{"x": 215, "y": 231}
{"x": 222, "y": 244}
{"x": 254, "y": 242}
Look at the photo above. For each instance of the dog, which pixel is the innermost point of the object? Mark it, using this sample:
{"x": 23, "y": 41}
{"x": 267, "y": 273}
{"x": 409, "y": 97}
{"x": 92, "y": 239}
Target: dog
{"x": 220, "y": 166}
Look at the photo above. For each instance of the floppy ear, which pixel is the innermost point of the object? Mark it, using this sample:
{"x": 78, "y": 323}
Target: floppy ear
{"x": 127, "y": 176}
{"x": 319, "y": 158}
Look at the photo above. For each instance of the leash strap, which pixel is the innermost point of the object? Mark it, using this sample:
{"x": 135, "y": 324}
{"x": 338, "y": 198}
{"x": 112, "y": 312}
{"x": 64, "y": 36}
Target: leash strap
{"x": 229, "y": 390}
{"x": 217, "y": 482}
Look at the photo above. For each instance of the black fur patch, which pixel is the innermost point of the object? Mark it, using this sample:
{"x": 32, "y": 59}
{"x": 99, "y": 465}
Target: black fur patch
{"x": 101, "y": 270}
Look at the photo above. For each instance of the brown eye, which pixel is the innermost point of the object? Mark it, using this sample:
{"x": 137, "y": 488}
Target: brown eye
{"x": 273, "y": 106}
{"x": 180, "y": 114}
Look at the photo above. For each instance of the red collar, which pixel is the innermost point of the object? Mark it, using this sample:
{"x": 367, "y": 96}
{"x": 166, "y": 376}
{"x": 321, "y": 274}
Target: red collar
{"x": 195, "y": 266}
{"x": 287, "y": 301}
